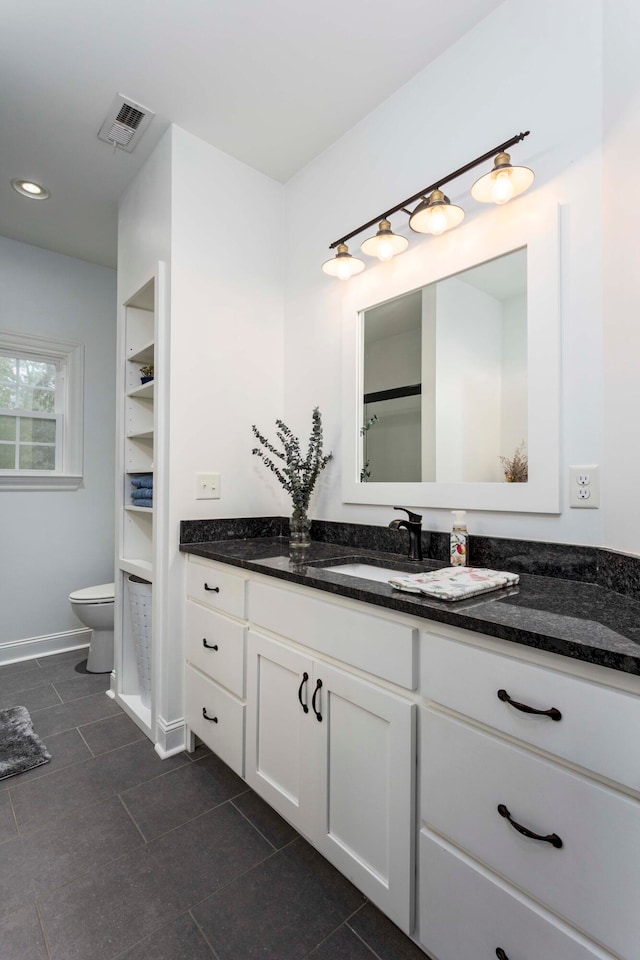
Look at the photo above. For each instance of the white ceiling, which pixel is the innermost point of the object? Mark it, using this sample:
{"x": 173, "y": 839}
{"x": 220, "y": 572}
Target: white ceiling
{"x": 271, "y": 82}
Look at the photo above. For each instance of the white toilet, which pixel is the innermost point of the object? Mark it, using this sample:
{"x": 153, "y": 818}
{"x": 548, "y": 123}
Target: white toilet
{"x": 94, "y": 606}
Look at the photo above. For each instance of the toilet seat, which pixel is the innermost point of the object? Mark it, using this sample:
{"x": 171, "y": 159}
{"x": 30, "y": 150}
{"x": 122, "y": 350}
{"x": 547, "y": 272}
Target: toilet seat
{"x": 102, "y": 593}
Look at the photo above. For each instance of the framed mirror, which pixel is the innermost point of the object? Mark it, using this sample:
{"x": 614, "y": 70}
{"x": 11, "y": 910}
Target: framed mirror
{"x": 451, "y": 370}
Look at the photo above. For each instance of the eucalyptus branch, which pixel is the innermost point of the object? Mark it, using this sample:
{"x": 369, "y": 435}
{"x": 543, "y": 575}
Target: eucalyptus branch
{"x": 298, "y": 476}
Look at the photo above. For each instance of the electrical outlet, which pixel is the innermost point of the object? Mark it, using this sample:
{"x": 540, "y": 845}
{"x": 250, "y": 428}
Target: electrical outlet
{"x": 207, "y": 486}
{"x": 584, "y": 486}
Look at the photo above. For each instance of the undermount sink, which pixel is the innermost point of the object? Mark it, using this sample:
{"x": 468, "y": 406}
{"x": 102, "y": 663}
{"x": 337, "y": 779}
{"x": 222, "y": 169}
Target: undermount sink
{"x": 365, "y": 571}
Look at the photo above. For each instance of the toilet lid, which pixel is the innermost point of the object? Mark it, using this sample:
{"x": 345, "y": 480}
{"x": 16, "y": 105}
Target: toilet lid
{"x": 103, "y": 592}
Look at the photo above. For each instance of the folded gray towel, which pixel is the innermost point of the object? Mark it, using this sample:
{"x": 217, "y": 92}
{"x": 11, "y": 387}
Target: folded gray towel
{"x": 144, "y": 502}
{"x": 144, "y": 480}
{"x": 142, "y": 493}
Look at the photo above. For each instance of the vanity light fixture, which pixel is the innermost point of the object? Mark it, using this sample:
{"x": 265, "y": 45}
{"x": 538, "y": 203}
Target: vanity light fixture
{"x": 343, "y": 265}
{"x": 503, "y": 182}
{"x": 385, "y": 244}
{"x": 31, "y": 189}
{"x": 435, "y": 213}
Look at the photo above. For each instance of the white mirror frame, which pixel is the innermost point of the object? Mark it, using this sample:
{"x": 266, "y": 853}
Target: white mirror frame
{"x": 528, "y": 223}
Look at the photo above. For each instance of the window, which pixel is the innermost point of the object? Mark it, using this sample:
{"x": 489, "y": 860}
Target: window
{"x": 40, "y": 413}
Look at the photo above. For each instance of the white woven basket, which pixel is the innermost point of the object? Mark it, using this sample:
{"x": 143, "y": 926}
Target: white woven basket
{"x": 140, "y": 605}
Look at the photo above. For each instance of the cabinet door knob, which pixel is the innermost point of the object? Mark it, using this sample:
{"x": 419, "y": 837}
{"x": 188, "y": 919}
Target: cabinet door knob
{"x": 316, "y": 693}
{"x": 211, "y": 589}
{"x": 305, "y": 677}
{"x": 551, "y": 838}
{"x": 500, "y": 954}
{"x": 552, "y": 713}
{"x": 207, "y": 717}
{"x": 209, "y": 646}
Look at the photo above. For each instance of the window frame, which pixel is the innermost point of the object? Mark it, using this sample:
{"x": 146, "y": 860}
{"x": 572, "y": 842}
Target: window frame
{"x": 69, "y": 355}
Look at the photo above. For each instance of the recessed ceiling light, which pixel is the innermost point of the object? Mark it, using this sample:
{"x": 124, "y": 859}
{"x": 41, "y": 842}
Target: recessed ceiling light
{"x": 28, "y": 188}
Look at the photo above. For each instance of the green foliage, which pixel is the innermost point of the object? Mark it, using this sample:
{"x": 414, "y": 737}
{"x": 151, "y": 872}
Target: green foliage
{"x": 365, "y": 473}
{"x": 297, "y": 475}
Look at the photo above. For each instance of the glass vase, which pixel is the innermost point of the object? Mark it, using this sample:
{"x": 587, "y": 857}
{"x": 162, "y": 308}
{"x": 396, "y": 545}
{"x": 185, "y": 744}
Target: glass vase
{"x": 299, "y": 529}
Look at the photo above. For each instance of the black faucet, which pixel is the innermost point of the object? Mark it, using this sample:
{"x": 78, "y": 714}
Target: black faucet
{"x": 414, "y": 525}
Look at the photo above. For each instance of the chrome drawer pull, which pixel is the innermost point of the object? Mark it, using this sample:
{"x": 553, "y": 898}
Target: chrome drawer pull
{"x": 551, "y": 838}
{"x": 211, "y": 589}
{"x": 552, "y": 713}
{"x": 313, "y": 701}
{"x": 207, "y": 717}
{"x": 209, "y": 646}
{"x": 500, "y": 954}
{"x": 305, "y": 677}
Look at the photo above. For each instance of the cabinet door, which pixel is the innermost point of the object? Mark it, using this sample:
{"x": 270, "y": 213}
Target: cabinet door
{"x": 276, "y": 761}
{"x": 364, "y": 787}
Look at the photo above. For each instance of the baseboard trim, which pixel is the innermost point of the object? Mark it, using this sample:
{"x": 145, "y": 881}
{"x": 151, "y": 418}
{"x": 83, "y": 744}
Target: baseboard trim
{"x": 32, "y": 647}
{"x": 171, "y": 737}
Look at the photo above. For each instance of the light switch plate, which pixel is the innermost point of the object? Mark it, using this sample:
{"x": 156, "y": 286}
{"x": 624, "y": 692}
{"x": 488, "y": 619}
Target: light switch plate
{"x": 207, "y": 486}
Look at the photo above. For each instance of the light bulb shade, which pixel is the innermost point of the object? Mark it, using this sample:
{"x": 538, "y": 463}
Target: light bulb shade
{"x": 343, "y": 265}
{"x": 436, "y": 214}
{"x": 385, "y": 244}
{"x": 503, "y": 182}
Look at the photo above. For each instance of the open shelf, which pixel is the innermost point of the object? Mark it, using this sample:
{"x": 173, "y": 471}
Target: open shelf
{"x": 144, "y": 392}
{"x": 139, "y": 568}
{"x": 144, "y": 354}
{"x": 132, "y": 506}
{"x": 143, "y": 435}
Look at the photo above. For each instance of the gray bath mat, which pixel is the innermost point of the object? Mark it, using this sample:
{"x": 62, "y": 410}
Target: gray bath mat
{"x": 20, "y": 748}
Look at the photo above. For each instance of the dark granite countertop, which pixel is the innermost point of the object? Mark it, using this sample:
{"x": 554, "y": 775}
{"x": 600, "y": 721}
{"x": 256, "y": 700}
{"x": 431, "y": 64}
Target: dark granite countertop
{"x": 581, "y": 620}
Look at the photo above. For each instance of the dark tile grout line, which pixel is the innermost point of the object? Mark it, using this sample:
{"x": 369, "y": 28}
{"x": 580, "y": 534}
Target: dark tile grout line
{"x": 44, "y": 932}
{"x": 109, "y": 796}
{"x": 13, "y": 812}
{"x": 243, "y": 814}
{"x": 214, "y": 953}
{"x": 345, "y": 923}
{"x": 145, "y": 842}
{"x": 218, "y": 889}
{"x": 374, "y": 953}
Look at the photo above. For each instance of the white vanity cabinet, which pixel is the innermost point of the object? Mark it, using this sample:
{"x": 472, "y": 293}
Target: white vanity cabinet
{"x": 329, "y": 738}
{"x": 519, "y": 827}
{"x": 334, "y": 754}
{"x": 215, "y": 641}
{"x": 515, "y": 800}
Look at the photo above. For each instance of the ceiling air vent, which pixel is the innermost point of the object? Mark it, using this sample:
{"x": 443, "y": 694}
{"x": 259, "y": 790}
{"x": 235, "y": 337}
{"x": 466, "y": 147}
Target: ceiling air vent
{"x": 125, "y": 123}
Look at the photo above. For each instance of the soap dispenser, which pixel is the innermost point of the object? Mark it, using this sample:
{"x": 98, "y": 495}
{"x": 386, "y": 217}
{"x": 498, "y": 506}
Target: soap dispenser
{"x": 459, "y": 539}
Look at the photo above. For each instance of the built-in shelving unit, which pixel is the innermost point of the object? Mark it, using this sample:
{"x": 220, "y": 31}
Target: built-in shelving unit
{"x": 136, "y": 525}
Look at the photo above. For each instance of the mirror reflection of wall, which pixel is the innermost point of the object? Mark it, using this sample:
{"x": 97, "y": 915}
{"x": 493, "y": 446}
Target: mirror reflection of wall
{"x": 445, "y": 377}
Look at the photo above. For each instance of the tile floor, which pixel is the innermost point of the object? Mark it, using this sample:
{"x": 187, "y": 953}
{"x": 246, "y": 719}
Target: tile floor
{"x": 109, "y": 852}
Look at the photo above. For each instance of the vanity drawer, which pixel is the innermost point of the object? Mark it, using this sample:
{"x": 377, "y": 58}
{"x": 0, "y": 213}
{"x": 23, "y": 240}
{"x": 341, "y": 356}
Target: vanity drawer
{"x": 216, "y": 588}
{"x": 216, "y": 646}
{"x": 591, "y": 881}
{"x": 374, "y": 644}
{"x": 225, "y": 734}
{"x": 598, "y": 724}
{"x": 485, "y": 914}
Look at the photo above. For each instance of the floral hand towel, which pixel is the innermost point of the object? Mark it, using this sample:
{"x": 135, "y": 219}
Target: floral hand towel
{"x": 455, "y": 583}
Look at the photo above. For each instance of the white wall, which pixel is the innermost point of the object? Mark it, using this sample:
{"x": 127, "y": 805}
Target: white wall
{"x": 621, "y": 259}
{"x": 524, "y": 67}
{"x": 54, "y": 542}
{"x": 144, "y": 221}
{"x": 226, "y": 329}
